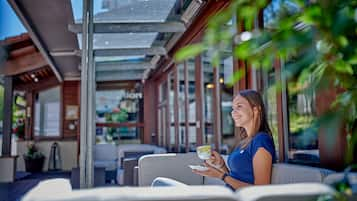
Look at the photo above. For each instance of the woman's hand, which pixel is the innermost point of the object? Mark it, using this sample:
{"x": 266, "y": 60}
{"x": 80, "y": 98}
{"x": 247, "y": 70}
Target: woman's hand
{"x": 211, "y": 172}
{"x": 216, "y": 160}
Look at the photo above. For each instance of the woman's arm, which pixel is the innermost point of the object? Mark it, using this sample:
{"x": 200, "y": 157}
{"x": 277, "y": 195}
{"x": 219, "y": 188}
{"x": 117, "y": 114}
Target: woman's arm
{"x": 262, "y": 164}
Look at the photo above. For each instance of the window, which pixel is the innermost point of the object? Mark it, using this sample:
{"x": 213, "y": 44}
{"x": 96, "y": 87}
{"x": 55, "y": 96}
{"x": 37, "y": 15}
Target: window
{"x": 47, "y": 113}
{"x": 270, "y": 103}
{"x": 181, "y": 107}
{"x": 119, "y": 114}
{"x": 172, "y": 110}
{"x": 208, "y": 87}
{"x": 226, "y": 98}
{"x": 303, "y": 135}
{"x": 192, "y": 105}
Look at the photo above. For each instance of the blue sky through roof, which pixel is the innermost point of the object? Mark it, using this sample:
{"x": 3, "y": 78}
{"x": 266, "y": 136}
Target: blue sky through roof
{"x": 10, "y": 24}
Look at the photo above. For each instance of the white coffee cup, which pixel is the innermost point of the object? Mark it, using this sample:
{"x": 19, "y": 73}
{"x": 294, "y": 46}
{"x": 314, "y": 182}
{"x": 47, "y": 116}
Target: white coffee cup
{"x": 204, "y": 152}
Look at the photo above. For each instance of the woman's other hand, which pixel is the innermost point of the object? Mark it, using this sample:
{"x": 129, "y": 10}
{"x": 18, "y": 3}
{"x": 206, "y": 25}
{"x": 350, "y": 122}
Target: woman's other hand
{"x": 210, "y": 172}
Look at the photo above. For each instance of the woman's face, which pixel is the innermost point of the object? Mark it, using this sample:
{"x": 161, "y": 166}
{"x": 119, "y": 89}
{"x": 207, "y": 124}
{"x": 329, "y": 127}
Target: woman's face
{"x": 242, "y": 112}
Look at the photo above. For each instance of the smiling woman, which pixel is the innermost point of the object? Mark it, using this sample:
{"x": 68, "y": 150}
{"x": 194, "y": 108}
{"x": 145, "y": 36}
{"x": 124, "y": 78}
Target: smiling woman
{"x": 251, "y": 161}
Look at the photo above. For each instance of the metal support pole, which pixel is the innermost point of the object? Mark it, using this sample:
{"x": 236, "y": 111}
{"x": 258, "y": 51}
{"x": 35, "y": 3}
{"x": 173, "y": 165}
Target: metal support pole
{"x": 91, "y": 98}
{"x": 87, "y": 120}
{"x": 6, "y": 147}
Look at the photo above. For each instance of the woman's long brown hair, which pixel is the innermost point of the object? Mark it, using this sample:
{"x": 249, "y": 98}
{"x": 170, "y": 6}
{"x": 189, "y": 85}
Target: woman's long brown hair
{"x": 255, "y": 100}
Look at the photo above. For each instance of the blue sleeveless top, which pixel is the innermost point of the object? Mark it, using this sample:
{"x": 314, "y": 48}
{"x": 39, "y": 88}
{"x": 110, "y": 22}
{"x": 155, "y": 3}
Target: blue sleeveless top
{"x": 240, "y": 161}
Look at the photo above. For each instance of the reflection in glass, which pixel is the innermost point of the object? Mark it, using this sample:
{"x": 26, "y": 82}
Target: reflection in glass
{"x": 192, "y": 133}
{"x": 181, "y": 107}
{"x": 118, "y": 135}
{"x": 226, "y": 97}
{"x": 171, "y": 109}
{"x": 269, "y": 96}
{"x": 120, "y": 105}
{"x": 47, "y": 113}
{"x": 303, "y": 134}
{"x": 208, "y": 87}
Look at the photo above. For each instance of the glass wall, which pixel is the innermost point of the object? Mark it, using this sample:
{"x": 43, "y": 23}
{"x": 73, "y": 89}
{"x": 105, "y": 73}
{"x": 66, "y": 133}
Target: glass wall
{"x": 181, "y": 107}
{"x": 118, "y": 113}
{"x": 299, "y": 104}
{"x": 303, "y": 133}
{"x": 162, "y": 89}
{"x": 47, "y": 113}
{"x": 208, "y": 87}
{"x": 172, "y": 110}
{"x": 226, "y": 97}
{"x": 192, "y": 104}
{"x": 270, "y": 102}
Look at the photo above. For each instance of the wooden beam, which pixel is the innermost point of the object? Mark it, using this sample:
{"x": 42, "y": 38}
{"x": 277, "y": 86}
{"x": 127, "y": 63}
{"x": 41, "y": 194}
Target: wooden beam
{"x": 7, "y": 122}
{"x": 137, "y": 27}
{"x": 217, "y": 109}
{"x": 200, "y": 119}
{"x": 22, "y": 51}
{"x": 23, "y": 64}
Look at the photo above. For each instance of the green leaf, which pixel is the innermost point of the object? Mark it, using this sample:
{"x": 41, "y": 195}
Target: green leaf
{"x": 343, "y": 67}
{"x": 190, "y": 51}
{"x": 242, "y": 50}
{"x": 237, "y": 75}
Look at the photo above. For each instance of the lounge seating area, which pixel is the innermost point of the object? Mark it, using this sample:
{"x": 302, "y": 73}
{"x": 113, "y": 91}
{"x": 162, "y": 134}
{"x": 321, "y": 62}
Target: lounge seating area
{"x": 172, "y": 179}
{"x": 119, "y": 161}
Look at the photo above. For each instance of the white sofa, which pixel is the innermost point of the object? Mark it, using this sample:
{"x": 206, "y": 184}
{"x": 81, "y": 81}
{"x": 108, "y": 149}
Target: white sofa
{"x": 175, "y": 166}
{"x": 109, "y": 156}
{"x": 59, "y": 190}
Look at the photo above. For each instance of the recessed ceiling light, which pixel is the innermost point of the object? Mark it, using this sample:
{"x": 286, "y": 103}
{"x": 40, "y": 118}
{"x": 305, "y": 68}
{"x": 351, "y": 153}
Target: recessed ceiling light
{"x": 36, "y": 79}
{"x": 32, "y": 75}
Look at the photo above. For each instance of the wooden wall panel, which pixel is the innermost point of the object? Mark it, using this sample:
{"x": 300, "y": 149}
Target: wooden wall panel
{"x": 70, "y": 96}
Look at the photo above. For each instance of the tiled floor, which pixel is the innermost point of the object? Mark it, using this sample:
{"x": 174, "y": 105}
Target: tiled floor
{"x": 24, "y": 182}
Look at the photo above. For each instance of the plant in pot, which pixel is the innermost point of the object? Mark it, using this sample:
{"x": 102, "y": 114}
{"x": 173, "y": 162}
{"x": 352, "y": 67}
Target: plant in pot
{"x": 34, "y": 159}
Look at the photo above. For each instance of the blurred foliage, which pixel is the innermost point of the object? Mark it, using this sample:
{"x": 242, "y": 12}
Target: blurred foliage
{"x": 317, "y": 41}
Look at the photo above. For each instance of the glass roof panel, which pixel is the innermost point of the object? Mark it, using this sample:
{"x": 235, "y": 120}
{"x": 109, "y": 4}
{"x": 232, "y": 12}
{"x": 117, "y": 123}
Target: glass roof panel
{"x": 126, "y": 10}
{"x": 133, "y": 59}
{"x": 121, "y": 40}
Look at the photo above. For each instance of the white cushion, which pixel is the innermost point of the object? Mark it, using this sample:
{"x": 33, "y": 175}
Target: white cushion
{"x": 163, "y": 181}
{"x": 52, "y": 188}
{"x": 174, "y": 166}
{"x": 288, "y": 173}
{"x": 286, "y": 192}
{"x": 192, "y": 193}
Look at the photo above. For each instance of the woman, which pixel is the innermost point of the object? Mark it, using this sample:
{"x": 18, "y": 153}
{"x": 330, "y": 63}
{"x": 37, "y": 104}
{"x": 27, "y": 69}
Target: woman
{"x": 251, "y": 161}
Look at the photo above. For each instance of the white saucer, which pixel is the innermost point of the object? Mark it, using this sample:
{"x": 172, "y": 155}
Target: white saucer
{"x": 198, "y": 167}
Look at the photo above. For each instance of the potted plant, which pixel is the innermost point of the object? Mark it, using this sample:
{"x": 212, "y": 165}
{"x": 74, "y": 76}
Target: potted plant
{"x": 34, "y": 159}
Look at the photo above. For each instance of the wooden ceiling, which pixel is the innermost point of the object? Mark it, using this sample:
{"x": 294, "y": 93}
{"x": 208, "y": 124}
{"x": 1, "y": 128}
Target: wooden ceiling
{"x": 24, "y": 62}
